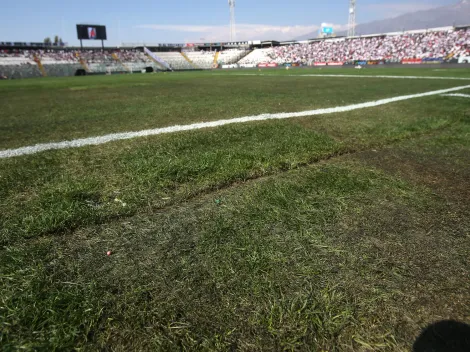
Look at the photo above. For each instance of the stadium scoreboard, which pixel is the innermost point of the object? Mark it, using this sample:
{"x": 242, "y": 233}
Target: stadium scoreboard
{"x": 91, "y": 32}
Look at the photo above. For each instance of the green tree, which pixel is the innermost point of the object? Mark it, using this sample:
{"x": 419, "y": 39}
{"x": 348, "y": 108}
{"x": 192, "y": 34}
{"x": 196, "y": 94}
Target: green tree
{"x": 56, "y": 40}
{"x": 47, "y": 40}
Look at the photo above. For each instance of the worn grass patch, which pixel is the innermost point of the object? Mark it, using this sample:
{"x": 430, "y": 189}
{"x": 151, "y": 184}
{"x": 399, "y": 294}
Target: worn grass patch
{"x": 61, "y": 190}
{"x": 332, "y": 257}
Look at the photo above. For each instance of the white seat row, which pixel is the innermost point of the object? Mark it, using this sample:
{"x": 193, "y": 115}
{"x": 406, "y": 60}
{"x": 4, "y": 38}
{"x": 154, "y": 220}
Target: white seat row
{"x": 15, "y": 61}
{"x": 257, "y": 56}
{"x": 175, "y": 59}
{"x": 228, "y": 57}
{"x": 203, "y": 60}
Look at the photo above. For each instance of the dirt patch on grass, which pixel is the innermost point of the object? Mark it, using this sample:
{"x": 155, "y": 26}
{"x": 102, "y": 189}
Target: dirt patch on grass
{"x": 443, "y": 174}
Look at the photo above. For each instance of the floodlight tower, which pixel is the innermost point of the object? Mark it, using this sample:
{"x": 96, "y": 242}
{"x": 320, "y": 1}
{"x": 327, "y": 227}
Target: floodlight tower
{"x": 352, "y": 18}
{"x": 231, "y": 4}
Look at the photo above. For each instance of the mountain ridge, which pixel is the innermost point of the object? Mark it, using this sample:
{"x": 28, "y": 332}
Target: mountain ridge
{"x": 451, "y": 15}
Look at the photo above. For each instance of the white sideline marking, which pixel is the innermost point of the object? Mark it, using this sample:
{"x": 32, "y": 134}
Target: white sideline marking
{"x": 457, "y": 95}
{"x": 348, "y": 76}
{"x": 9, "y": 153}
{"x": 392, "y": 77}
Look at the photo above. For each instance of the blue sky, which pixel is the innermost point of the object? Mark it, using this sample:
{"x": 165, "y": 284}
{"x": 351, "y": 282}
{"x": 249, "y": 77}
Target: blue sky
{"x": 181, "y": 21}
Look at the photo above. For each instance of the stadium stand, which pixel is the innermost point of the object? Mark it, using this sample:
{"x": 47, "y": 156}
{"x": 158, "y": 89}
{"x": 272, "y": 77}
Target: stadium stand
{"x": 438, "y": 44}
{"x": 176, "y": 60}
{"x": 205, "y": 59}
{"x": 64, "y": 63}
{"x": 54, "y": 57}
{"x": 257, "y": 56}
{"x": 391, "y": 48}
{"x": 134, "y": 60}
{"x": 17, "y": 64}
{"x": 97, "y": 61}
{"x": 15, "y": 58}
{"x": 231, "y": 56}
{"x": 202, "y": 59}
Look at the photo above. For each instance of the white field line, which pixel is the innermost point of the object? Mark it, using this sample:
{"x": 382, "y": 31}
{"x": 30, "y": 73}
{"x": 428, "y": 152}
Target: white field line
{"x": 392, "y": 77}
{"x": 347, "y": 76}
{"x": 457, "y": 95}
{"x": 8, "y": 153}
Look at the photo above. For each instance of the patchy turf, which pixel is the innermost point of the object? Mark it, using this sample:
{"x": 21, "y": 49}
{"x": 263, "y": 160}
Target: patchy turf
{"x": 337, "y": 233}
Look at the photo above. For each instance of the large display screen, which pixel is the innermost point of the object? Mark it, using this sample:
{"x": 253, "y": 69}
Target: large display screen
{"x": 327, "y": 30}
{"x": 91, "y": 31}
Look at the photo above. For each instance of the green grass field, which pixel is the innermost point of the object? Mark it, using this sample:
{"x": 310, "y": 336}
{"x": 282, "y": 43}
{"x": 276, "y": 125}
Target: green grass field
{"x": 341, "y": 232}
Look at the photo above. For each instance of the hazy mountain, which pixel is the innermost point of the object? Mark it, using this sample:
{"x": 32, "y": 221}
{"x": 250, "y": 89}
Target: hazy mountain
{"x": 458, "y": 14}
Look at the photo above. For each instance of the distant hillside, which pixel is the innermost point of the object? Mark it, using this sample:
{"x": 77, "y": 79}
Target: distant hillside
{"x": 458, "y": 14}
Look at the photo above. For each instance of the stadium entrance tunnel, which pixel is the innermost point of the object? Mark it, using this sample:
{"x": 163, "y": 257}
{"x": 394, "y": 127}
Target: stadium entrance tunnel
{"x": 149, "y": 69}
{"x": 80, "y": 72}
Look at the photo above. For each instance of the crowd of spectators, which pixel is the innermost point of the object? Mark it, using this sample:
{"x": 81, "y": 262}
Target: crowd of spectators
{"x": 134, "y": 56}
{"x": 394, "y": 48}
{"x": 74, "y": 56}
{"x": 442, "y": 44}
{"x": 53, "y": 56}
{"x": 4, "y": 53}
